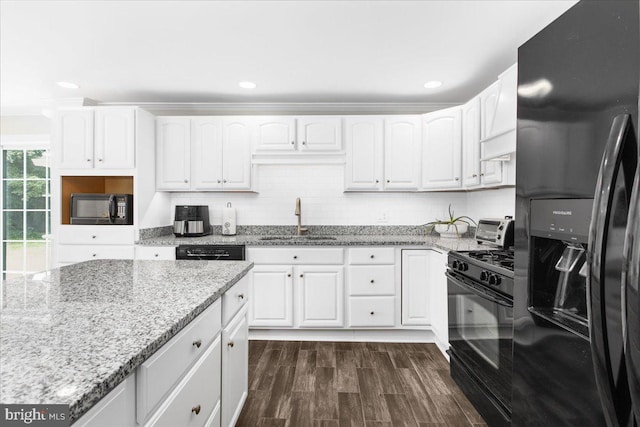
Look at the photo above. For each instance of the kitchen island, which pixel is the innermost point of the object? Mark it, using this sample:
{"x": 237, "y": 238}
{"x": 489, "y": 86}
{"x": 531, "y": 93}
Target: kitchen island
{"x": 71, "y": 335}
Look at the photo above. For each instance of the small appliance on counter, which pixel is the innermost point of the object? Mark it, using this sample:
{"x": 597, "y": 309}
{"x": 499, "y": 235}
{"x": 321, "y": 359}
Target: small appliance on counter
{"x": 191, "y": 221}
{"x": 101, "y": 209}
{"x": 229, "y": 221}
{"x": 496, "y": 231}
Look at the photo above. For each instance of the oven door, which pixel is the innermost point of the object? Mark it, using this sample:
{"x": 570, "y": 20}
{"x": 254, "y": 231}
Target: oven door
{"x": 481, "y": 334}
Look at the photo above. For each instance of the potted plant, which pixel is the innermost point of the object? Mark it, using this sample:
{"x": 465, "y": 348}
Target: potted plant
{"x": 451, "y": 228}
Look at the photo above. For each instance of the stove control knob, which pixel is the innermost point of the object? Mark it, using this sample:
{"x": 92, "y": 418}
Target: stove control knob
{"x": 484, "y": 276}
{"x": 464, "y": 266}
{"x": 454, "y": 265}
{"x": 494, "y": 280}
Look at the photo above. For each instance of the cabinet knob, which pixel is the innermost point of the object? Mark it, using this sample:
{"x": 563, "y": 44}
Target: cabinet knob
{"x": 224, "y": 181}
{"x": 230, "y": 344}
{"x": 241, "y": 296}
{"x": 219, "y": 181}
{"x": 156, "y": 255}
{"x": 373, "y": 256}
{"x": 94, "y": 255}
{"x": 295, "y": 257}
{"x": 293, "y": 143}
{"x": 196, "y": 409}
{"x": 197, "y": 343}
{"x": 93, "y": 237}
{"x": 302, "y": 275}
{"x": 377, "y": 181}
{"x": 388, "y": 181}
{"x": 88, "y": 160}
{"x": 289, "y": 275}
{"x": 304, "y": 142}
{"x": 186, "y": 180}
{"x": 457, "y": 179}
{"x": 99, "y": 160}
{"x": 372, "y": 313}
{"x": 372, "y": 280}
{"x": 482, "y": 174}
{"x": 475, "y": 175}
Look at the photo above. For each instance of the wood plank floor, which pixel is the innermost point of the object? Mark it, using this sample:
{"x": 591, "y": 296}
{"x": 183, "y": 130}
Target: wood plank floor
{"x": 297, "y": 384}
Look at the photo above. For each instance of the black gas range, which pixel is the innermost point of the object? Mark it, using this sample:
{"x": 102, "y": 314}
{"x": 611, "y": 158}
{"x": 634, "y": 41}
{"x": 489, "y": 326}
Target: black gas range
{"x": 480, "y": 297}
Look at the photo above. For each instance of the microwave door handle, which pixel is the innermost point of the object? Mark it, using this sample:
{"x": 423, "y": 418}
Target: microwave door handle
{"x": 113, "y": 205}
{"x": 631, "y": 296}
{"x": 600, "y": 218}
{"x": 486, "y": 295}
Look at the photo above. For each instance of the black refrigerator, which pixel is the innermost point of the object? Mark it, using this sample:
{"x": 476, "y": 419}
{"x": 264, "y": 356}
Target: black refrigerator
{"x": 576, "y": 358}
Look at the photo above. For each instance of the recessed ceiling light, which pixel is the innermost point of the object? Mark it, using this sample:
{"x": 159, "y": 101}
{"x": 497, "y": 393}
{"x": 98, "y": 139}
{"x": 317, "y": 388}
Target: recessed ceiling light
{"x": 247, "y": 85}
{"x": 68, "y": 85}
{"x": 433, "y": 84}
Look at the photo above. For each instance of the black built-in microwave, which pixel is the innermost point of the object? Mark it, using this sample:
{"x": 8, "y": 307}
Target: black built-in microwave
{"x": 102, "y": 209}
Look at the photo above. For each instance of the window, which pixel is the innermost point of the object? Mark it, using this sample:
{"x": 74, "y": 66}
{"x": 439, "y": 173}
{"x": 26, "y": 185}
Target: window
{"x": 26, "y": 210}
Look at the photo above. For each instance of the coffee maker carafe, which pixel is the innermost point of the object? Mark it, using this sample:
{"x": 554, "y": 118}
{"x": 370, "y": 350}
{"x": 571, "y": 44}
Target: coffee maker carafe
{"x": 191, "y": 221}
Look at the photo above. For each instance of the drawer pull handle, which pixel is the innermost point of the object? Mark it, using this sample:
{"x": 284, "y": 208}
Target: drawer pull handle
{"x": 93, "y": 237}
{"x": 372, "y": 256}
{"x": 94, "y": 255}
{"x": 371, "y": 313}
{"x": 196, "y": 409}
{"x": 241, "y": 296}
{"x": 230, "y": 344}
{"x": 197, "y": 343}
{"x": 372, "y": 280}
{"x": 295, "y": 257}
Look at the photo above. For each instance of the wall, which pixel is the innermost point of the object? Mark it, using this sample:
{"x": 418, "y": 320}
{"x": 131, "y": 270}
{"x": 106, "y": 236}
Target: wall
{"x": 320, "y": 188}
{"x": 25, "y": 125}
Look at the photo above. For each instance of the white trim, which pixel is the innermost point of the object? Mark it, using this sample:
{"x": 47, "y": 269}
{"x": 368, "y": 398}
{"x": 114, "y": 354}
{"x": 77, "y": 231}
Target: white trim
{"x": 297, "y": 159}
{"x": 32, "y": 141}
{"x": 354, "y": 335}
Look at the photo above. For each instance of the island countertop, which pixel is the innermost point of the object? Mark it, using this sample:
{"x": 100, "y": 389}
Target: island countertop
{"x": 69, "y": 336}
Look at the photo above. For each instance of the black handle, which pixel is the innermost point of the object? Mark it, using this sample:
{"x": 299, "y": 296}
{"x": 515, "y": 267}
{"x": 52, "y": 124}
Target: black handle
{"x": 113, "y": 206}
{"x": 631, "y": 296}
{"x": 598, "y": 236}
{"x": 480, "y": 291}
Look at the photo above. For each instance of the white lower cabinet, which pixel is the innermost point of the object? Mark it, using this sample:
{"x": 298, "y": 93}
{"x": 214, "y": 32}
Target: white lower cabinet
{"x": 271, "y": 290}
{"x": 235, "y": 368}
{"x": 80, "y": 253}
{"x": 416, "y": 304}
{"x": 155, "y": 252}
{"x": 372, "y": 311}
{"x": 118, "y": 408}
{"x": 321, "y": 296}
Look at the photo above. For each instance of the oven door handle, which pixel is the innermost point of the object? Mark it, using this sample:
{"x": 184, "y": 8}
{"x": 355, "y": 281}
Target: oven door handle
{"x": 486, "y": 294}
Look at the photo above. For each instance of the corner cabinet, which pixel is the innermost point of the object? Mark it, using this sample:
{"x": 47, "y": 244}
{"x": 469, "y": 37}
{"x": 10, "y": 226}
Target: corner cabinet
{"x": 196, "y": 154}
{"x": 441, "y": 149}
{"x": 100, "y": 137}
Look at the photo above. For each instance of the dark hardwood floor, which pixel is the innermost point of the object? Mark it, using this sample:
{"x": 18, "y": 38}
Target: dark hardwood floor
{"x": 297, "y": 384}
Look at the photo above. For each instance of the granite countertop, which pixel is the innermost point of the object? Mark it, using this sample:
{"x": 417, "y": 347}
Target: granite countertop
{"x": 70, "y": 335}
{"x": 461, "y": 244}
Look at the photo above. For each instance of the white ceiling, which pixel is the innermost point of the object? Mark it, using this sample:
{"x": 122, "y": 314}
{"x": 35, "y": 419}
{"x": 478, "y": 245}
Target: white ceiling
{"x": 296, "y": 51}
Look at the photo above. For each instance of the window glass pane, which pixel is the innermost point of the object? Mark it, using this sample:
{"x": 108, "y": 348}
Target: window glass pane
{"x": 12, "y": 163}
{"x": 36, "y": 256}
{"x": 12, "y": 223}
{"x": 36, "y": 223}
{"x": 36, "y": 194}
{"x": 36, "y": 164}
{"x": 12, "y": 194}
{"x": 13, "y": 255}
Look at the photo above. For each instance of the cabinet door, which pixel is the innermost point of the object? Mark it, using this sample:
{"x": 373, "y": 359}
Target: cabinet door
{"x": 402, "y": 153}
{"x": 275, "y": 133}
{"x": 506, "y": 106}
{"x": 415, "y": 287}
{"x": 364, "y": 153}
{"x": 115, "y": 138}
{"x": 74, "y": 131}
{"x": 488, "y": 104}
{"x": 437, "y": 287}
{"x": 320, "y": 296}
{"x": 118, "y": 408}
{"x": 471, "y": 143}
{"x": 491, "y": 173}
{"x": 441, "y": 149}
{"x": 235, "y": 368}
{"x": 318, "y": 133}
{"x": 271, "y": 295}
{"x": 206, "y": 153}
{"x": 173, "y": 153}
{"x": 236, "y": 154}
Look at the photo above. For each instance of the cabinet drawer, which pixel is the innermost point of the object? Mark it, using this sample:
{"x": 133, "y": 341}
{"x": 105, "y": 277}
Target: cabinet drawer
{"x": 156, "y": 252}
{"x": 372, "y": 280}
{"x": 372, "y": 256}
{"x": 371, "y": 311}
{"x": 199, "y": 391}
{"x": 79, "y": 253}
{"x": 96, "y": 235}
{"x": 293, "y": 255}
{"x": 234, "y": 299}
{"x": 160, "y": 372}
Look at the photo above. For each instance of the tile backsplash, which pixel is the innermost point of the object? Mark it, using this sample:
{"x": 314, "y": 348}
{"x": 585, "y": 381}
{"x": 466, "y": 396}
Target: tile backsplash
{"x": 324, "y": 202}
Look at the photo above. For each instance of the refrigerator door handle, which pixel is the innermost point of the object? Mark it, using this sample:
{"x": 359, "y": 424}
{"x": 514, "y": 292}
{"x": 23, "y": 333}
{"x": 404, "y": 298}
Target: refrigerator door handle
{"x": 600, "y": 218}
{"x": 631, "y": 296}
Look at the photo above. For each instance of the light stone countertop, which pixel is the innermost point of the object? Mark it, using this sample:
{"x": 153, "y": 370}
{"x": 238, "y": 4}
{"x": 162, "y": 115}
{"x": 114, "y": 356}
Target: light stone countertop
{"x": 71, "y": 335}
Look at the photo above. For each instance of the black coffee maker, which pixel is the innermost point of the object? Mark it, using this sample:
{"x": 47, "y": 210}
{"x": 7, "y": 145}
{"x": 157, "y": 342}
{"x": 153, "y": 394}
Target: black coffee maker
{"x": 191, "y": 221}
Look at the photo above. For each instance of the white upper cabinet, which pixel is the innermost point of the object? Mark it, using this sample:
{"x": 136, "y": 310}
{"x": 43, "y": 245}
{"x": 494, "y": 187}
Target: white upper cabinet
{"x": 499, "y": 115}
{"x": 363, "y": 138}
{"x": 96, "y": 138}
{"x": 204, "y": 153}
{"x": 506, "y": 116}
{"x": 114, "y": 138}
{"x": 492, "y": 174}
{"x": 471, "y": 143}
{"x": 236, "y": 154}
{"x": 298, "y": 134}
{"x": 319, "y": 133}
{"x": 441, "y": 149}
{"x": 489, "y": 101}
{"x": 275, "y": 134}
{"x": 402, "y": 153}
{"x": 173, "y": 153}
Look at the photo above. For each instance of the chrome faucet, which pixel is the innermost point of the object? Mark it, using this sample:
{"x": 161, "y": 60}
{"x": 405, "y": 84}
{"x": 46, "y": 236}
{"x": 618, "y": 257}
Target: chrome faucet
{"x": 298, "y": 213}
